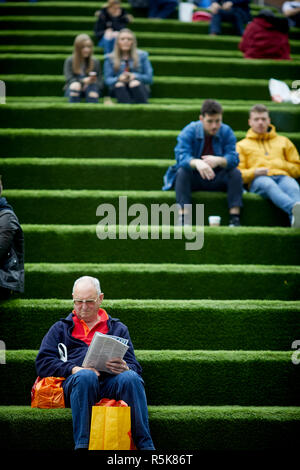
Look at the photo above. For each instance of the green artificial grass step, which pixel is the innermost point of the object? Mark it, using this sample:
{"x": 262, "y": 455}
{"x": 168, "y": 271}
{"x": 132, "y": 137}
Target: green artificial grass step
{"x": 167, "y": 281}
{"x": 96, "y": 143}
{"x": 106, "y": 173}
{"x": 206, "y": 428}
{"x": 80, "y": 244}
{"x": 203, "y": 324}
{"x": 169, "y": 51}
{"x": 144, "y": 39}
{"x": 247, "y": 378}
{"x": 52, "y": 64}
{"x": 246, "y": 103}
{"x": 163, "y": 87}
{"x": 80, "y": 206}
{"x": 148, "y": 117}
{"x": 72, "y": 22}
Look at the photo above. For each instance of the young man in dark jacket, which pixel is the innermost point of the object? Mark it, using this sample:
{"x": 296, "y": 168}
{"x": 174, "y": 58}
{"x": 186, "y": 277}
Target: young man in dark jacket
{"x": 63, "y": 350}
{"x": 206, "y": 160}
{"x": 11, "y": 250}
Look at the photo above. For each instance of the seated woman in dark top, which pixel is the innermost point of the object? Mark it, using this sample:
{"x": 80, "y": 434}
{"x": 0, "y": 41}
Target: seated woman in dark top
{"x": 82, "y": 72}
{"x": 127, "y": 70}
{"x": 112, "y": 18}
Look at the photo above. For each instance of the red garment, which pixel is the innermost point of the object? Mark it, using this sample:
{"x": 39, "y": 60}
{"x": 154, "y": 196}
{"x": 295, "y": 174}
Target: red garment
{"x": 82, "y": 331}
{"x": 262, "y": 41}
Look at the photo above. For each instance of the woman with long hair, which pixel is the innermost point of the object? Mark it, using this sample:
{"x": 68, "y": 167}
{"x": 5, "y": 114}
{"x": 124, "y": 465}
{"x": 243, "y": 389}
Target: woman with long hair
{"x": 127, "y": 70}
{"x": 82, "y": 72}
{"x": 111, "y": 19}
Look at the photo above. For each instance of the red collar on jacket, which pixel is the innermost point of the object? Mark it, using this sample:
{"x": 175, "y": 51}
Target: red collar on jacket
{"x": 81, "y": 330}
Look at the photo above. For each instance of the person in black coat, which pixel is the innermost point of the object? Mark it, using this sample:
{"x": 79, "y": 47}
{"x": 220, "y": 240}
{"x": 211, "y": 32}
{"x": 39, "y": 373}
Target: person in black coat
{"x": 112, "y": 18}
{"x": 11, "y": 250}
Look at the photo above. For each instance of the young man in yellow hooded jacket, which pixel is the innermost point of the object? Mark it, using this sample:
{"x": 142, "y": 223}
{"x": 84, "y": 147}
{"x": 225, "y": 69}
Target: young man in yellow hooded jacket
{"x": 270, "y": 164}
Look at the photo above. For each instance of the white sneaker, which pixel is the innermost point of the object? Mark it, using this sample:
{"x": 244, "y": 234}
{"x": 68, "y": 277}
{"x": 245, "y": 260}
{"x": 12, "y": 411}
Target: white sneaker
{"x": 296, "y": 215}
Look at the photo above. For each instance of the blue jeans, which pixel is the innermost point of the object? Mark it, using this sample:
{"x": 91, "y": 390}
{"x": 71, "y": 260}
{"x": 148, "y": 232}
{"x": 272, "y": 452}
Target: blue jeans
{"x": 107, "y": 44}
{"x": 236, "y": 16}
{"x": 83, "y": 389}
{"x": 283, "y": 191}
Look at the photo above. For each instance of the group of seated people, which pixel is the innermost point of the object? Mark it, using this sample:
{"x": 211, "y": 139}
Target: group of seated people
{"x": 127, "y": 70}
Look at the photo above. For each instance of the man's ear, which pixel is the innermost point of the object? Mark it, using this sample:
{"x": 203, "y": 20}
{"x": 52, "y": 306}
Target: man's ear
{"x": 200, "y": 117}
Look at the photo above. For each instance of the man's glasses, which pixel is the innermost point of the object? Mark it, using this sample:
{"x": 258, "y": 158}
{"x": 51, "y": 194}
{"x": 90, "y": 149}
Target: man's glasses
{"x": 88, "y": 302}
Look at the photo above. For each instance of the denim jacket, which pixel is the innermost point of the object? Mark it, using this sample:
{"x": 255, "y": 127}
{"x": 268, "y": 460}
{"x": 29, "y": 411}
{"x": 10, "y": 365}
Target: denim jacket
{"x": 190, "y": 143}
{"x": 143, "y": 73}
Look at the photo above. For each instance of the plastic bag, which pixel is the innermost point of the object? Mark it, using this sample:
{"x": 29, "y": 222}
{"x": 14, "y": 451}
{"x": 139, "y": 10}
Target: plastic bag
{"x": 111, "y": 426}
{"x": 48, "y": 393}
{"x": 280, "y": 92}
{"x": 202, "y": 16}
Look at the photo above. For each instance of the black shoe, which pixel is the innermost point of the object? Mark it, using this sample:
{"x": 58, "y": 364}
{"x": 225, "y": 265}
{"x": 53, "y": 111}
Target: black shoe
{"x": 234, "y": 220}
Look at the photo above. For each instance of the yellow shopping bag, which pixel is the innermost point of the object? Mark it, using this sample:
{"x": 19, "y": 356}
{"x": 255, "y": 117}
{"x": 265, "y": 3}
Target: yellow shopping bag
{"x": 111, "y": 426}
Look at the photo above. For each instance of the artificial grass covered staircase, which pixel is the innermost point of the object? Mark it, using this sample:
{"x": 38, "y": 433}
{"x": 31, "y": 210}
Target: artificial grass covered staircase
{"x": 212, "y": 328}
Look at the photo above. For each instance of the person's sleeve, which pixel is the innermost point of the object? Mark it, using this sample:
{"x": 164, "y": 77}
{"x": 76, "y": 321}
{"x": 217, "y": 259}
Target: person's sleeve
{"x": 292, "y": 158}
{"x": 68, "y": 70}
{"x": 247, "y": 173}
{"x": 97, "y": 69}
{"x": 129, "y": 356}
{"x": 100, "y": 26}
{"x": 110, "y": 78}
{"x": 7, "y": 233}
{"x": 146, "y": 75}
{"x": 229, "y": 148}
{"x": 184, "y": 150}
{"x": 48, "y": 362}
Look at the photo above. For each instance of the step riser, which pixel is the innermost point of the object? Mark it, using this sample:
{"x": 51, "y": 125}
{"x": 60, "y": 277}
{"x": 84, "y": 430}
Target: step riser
{"x": 187, "y": 429}
{"x": 56, "y": 282}
{"x": 256, "y": 211}
{"x": 260, "y": 327}
{"x": 83, "y": 246}
{"x": 217, "y": 383}
{"x": 143, "y": 117}
{"x": 156, "y": 40}
{"x": 161, "y": 88}
{"x": 45, "y": 65}
{"x": 64, "y": 144}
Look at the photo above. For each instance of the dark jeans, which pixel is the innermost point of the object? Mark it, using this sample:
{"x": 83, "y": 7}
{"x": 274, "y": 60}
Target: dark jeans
{"x": 236, "y": 16}
{"x": 229, "y": 181}
{"x": 78, "y": 95}
{"x": 126, "y": 94}
{"x": 161, "y": 8}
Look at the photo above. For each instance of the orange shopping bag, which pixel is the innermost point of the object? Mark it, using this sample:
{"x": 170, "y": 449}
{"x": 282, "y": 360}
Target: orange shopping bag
{"x": 111, "y": 426}
{"x": 48, "y": 393}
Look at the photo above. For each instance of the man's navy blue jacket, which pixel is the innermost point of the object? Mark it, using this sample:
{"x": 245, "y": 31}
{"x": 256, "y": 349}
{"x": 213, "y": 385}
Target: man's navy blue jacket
{"x": 49, "y": 362}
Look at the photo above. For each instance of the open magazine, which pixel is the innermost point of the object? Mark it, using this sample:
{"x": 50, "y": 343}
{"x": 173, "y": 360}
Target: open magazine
{"x": 102, "y": 349}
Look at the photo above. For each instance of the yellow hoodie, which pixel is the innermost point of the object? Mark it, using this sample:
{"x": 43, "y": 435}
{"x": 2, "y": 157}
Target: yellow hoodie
{"x": 269, "y": 150}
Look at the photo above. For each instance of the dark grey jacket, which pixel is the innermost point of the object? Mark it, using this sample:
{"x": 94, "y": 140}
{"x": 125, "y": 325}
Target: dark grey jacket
{"x": 11, "y": 249}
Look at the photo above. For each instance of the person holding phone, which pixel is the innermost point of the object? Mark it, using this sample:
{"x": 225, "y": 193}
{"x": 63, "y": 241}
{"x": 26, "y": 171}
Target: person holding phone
{"x": 83, "y": 72}
{"x": 127, "y": 70}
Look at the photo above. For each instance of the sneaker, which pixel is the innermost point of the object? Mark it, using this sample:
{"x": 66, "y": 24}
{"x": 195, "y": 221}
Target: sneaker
{"x": 184, "y": 219}
{"x": 234, "y": 220}
{"x": 296, "y": 215}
